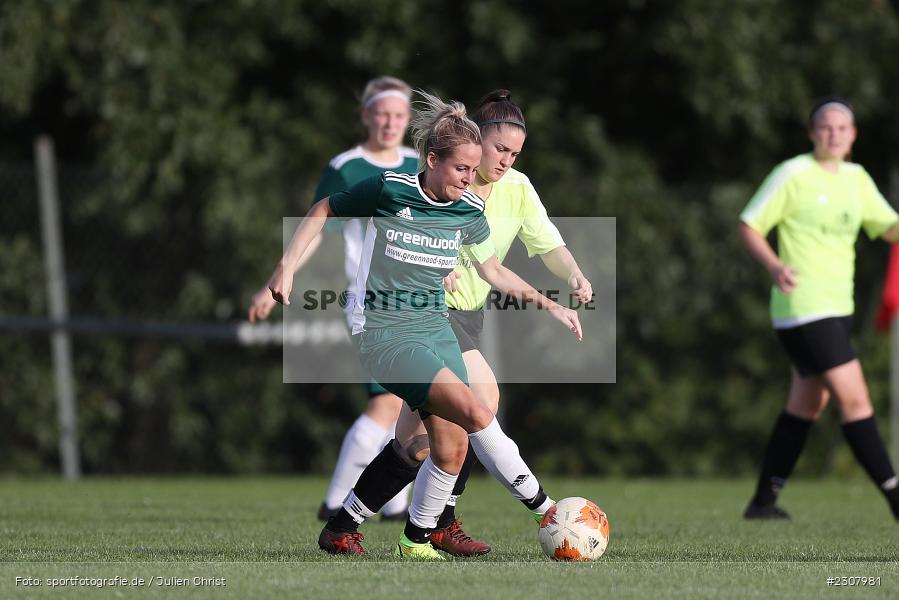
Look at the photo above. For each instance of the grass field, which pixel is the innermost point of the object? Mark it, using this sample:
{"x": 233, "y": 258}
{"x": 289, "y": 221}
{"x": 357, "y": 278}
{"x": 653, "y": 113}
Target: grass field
{"x": 670, "y": 539}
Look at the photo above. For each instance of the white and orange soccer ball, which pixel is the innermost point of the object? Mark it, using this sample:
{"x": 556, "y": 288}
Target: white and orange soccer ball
{"x": 574, "y": 529}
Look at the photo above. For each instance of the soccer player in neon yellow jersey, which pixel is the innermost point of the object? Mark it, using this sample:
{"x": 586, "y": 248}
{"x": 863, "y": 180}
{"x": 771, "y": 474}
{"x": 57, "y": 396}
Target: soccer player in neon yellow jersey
{"x": 513, "y": 209}
{"x": 818, "y": 202}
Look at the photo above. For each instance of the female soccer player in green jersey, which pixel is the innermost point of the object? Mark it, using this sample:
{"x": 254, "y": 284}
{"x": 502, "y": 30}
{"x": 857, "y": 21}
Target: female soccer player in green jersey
{"x": 385, "y": 114}
{"x": 818, "y": 202}
{"x": 400, "y": 325}
{"x": 513, "y": 209}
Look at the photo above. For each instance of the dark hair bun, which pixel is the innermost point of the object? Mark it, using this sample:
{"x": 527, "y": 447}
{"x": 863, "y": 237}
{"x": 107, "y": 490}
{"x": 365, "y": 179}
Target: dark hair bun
{"x": 496, "y": 96}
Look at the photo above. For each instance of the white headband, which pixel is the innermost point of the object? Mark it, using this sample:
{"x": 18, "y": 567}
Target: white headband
{"x": 385, "y": 94}
{"x": 834, "y": 106}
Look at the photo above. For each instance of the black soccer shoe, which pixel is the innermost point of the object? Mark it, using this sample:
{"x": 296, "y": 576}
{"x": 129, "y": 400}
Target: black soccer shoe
{"x": 765, "y": 511}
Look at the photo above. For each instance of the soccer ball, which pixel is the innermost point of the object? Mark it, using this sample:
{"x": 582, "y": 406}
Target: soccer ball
{"x": 574, "y": 529}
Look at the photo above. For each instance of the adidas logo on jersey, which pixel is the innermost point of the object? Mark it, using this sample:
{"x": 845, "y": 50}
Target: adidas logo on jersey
{"x": 405, "y": 213}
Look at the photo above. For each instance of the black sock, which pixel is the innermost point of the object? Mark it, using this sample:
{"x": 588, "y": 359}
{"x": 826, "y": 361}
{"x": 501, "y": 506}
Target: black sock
{"x": 382, "y": 479}
{"x": 893, "y": 498}
{"x": 784, "y": 447}
{"x": 535, "y": 502}
{"x": 867, "y": 445}
{"x": 449, "y": 513}
{"x": 447, "y": 516}
{"x": 342, "y": 521}
{"x": 417, "y": 534}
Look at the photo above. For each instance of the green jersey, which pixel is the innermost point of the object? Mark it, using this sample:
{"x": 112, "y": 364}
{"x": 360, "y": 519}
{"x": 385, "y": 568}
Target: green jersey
{"x": 343, "y": 172}
{"x": 512, "y": 210}
{"x": 818, "y": 215}
{"x": 349, "y": 168}
{"x": 411, "y": 243}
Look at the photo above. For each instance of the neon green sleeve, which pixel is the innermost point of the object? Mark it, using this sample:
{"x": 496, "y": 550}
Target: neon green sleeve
{"x": 537, "y": 232}
{"x": 768, "y": 206}
{"x": 877, "y": 214}
{"x": 481, "y": 252}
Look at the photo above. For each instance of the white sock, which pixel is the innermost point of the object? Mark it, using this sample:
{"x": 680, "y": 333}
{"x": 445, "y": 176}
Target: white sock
{"x": 432, "y": 489}
{"x": 499, "y": 455}
{"x": 357, "y": 510}
{"x": 361, "y": 444}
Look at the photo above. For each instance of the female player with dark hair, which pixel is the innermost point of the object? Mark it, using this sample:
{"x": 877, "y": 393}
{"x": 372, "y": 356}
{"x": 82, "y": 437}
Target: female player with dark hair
{"x": 818, "y": 202}
{"x": 400, "y": 326}
{"x": 385, "y": 113}
{"x": 513, "y": 209}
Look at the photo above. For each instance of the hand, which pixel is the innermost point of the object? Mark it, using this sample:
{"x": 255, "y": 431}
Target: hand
{"x": 580, "y": 287}
{"x": 262, "y": 305}
{"x": 280, "y": 284}
{"x": 784, "y": 278}
{"x": 449, "y": 282}
{"x": 570, "y": 319}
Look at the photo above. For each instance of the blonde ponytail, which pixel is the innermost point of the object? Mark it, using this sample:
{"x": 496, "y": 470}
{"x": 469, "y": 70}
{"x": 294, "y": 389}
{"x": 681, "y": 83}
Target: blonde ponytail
{"x": 439, "y": 127}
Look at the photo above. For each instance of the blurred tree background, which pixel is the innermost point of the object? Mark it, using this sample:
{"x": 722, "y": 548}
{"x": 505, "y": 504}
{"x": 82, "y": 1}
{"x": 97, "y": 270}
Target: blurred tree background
{"x": 186, "y": 130}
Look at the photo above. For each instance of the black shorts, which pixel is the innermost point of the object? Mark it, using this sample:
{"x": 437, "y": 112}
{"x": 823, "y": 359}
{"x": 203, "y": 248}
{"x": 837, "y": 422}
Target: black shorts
{"x": 467, "y": 325}
{"x": 818, "y": 346}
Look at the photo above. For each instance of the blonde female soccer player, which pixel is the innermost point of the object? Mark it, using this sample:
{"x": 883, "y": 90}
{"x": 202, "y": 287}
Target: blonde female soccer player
{"x": 385, "y": 114}
{"x": 419, "y": 225}
{"x": 818, "y": 202}
{"x": 513, "y": 209}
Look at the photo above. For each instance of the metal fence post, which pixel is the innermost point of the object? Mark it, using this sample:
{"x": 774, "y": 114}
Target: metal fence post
{"x": 59, "y": 312}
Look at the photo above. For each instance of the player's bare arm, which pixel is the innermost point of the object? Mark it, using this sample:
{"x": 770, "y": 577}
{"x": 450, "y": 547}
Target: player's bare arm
{"x": 782, "y": 275}
{"x": 281, "y": 281}
{"x": 508, "y": 282}
{"x": 562, "y": 264}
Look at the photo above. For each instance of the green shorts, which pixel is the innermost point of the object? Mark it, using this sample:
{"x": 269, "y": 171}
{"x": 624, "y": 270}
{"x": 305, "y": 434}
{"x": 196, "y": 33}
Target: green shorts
{"x": 406, "y": 360}
{"x": 372, "y": 388}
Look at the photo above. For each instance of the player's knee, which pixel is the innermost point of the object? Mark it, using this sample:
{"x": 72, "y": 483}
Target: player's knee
{"x": 813, "y": 413}
{"x": 473, "y": 412}
{"x": 450, "y": 456}
{"x": 810, "y": 412}
{"x": 414, "y": 451}
{"x": 856, "y": 406}
{"x": 479, "y": 415}
{"x": 491, "y": 398}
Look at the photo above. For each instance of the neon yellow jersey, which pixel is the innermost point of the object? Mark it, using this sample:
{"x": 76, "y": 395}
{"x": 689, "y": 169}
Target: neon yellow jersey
{"x": 513, "y": 209}
{"x": 818, "y": 215}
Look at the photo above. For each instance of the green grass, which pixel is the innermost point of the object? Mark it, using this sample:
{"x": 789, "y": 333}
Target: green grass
{"x": 670, "y": 539}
